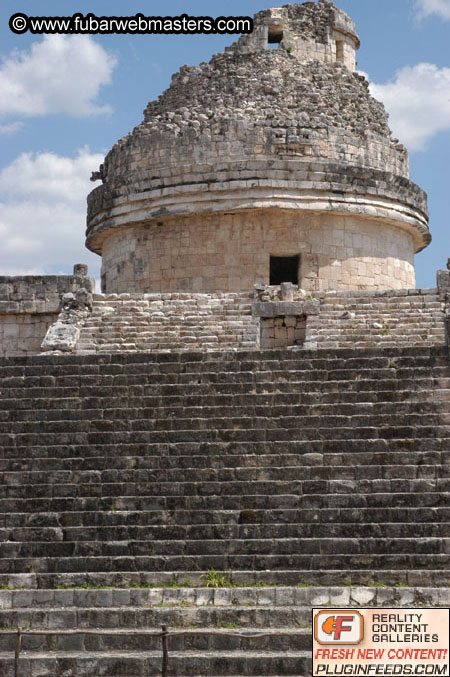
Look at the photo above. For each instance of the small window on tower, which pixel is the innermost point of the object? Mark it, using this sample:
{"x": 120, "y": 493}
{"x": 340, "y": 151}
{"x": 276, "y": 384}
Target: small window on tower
{"x": 284, "y": 269}
{"x": 340, "y": 50}
{"x": 274, "y": 36}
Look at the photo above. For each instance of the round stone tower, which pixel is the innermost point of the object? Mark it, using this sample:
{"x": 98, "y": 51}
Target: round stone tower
{"x": 271, "y": 163}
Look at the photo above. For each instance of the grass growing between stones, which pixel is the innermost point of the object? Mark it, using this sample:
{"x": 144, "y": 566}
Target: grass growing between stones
{"x": 217, "y": 579}
{"x": 227, "y": 626}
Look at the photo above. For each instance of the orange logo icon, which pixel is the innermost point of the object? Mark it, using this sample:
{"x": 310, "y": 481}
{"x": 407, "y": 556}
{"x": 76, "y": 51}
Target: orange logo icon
{"x": 342, "y": 626}
{"x": 335, "y": 625}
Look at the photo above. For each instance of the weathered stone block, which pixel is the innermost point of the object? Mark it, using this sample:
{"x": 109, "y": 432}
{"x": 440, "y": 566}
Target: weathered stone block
{"x": 61, "y": 337}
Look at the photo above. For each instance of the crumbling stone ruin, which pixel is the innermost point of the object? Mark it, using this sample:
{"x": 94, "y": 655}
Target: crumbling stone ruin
{"x": 252, "y": 418}
{"x": 257, "y": 155}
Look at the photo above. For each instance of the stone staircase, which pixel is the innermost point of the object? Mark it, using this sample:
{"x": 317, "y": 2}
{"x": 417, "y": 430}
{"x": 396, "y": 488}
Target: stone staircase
{"x": 116, "y": 628}
{"x": 218, "y": 322}
{"x": 310, "y": 478}
{"x": 365, "y": 319}
{"x": 161, "y": 322}
{"x": 172, "y": 322}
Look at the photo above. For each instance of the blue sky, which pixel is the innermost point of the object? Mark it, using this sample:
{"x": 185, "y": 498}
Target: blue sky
{"x": 64, "y": 101}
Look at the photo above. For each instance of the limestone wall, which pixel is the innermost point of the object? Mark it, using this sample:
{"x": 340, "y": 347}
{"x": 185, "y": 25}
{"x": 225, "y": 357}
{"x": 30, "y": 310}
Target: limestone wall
{"x": 231, "y": 252}
{"x": 30, "y": 304}
{"x": 22, "y": 334}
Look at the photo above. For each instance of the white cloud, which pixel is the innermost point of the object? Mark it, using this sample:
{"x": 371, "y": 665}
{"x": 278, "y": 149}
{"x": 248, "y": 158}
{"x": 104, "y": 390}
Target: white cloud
{"x": 11, "y": 128}
{"x": 60, "y": 74}
{"x": 418, "y": 103}
{"x": 439, "y": 7}
{"x": 43, "y": 213}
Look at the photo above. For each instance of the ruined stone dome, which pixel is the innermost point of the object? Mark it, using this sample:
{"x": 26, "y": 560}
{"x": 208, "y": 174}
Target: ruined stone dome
{"x": 278, "y": 122}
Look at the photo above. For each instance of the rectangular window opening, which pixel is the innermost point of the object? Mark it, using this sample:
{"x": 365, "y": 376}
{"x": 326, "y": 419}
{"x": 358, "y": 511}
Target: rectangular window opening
{"x": 340, "y": 50}
{"x": 284, "y": 269}
{"x": 274, "y": 36}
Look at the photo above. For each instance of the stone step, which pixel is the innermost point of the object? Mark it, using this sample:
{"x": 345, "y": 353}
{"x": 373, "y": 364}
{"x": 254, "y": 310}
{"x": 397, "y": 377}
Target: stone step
{"x": 240, "y": 427}
{"x": 400, "y": 312}
{"x": 234, "y": 547}
{"x": 238, "y": 362}
{"x": 253, "y": 407}
{"x": 226, "y": 358}
{"x": 63, "y": 365}
{"x": 334, "y": 451}
{"x": 429, "y": 327}
{"x": 365, "y": 296}
{"x": 154, "y": 615}
{"x": 135, "y": 343}
{"x": 234, "y": 428}
{"x": 186, "y": 405}
{"x": 409, "y": 323}
{"x": 103, "y": 482}
{"x": 229, "y": 466}
{"x": 119, "y": 664}
{"x": 201, "y": 639}
{"x": 184, "y": 374}
{"x": 313, "y": 392}
{"x": 315, "y": 386}
{"x": 293, "y": 363}
{"x": 359, "y": 341}
{"x": 125, "y": 327}
{"x": 410, "y": 319}
{"x": 415, "y": 307}
{"x": 231, "y": 435}
{"x": 356, "y": 394}
{"x": 178, "y": 594}
{"x": 170, "y": 488}
{"x": 345, "y": 401}
{"x": 381, "y": 517}
{"x": 304, "y": 578}
{"x": 259, "y": 561}
{"x": 249, "y": 529}
{"x": 228, "y": 501}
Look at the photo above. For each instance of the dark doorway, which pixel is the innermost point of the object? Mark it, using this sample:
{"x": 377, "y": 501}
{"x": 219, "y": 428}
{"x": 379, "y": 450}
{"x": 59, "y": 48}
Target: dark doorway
{"x": 284, "y": 269}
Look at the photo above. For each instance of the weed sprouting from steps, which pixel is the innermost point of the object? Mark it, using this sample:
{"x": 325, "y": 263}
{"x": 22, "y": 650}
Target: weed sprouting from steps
{"x": 377, "y": 584}
{"x": 173, "y": 605}
{"x": 227, "y": 626}
{"x": 217, "y": 579}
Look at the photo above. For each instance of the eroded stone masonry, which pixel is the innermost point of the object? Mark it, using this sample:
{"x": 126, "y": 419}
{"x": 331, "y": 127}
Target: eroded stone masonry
{"x": 262, "y": 153}
{"x": 258, "y": 399}
{"x": 270, "y": 164}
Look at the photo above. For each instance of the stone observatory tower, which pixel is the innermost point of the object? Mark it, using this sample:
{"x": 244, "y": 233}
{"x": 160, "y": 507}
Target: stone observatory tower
{"x": 271, "y": 163}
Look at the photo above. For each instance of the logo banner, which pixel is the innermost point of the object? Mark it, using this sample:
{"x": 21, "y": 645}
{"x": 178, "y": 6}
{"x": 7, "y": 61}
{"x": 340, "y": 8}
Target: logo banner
{"x": 380, "y": 642}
